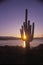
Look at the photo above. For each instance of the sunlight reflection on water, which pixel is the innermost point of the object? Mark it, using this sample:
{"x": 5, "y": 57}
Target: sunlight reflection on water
{"x": 24, "y": 44}
{"x": 21, "y": 43}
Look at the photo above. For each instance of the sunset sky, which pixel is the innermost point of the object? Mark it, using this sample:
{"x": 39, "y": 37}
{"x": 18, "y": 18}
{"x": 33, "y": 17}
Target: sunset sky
{"x": 12, "y": 16}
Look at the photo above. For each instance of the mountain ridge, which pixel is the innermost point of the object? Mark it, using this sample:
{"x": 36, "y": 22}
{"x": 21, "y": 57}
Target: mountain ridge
{"x": 14, "y": 38}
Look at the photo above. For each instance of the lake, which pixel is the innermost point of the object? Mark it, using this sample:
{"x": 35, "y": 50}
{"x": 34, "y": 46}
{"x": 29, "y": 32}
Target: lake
{"x": 34, "y": 43}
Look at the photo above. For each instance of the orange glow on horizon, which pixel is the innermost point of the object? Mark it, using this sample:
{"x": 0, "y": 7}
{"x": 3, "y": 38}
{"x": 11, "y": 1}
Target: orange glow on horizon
{"x": 36, "y": 35}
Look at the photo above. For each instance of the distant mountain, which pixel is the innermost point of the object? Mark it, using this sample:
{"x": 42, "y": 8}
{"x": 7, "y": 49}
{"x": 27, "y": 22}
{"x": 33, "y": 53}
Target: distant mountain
{"x": 13, "y": 38}
{"x": 9, "y": 38}
{"x": 38, "y": 38}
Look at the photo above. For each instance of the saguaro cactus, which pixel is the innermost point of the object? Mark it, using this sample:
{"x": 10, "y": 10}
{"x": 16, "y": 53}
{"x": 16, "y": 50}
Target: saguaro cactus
{"x": 28, "y": 29}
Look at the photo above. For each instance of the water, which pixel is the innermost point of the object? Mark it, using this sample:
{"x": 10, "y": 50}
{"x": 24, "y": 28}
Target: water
{"x": 34, "y": 43}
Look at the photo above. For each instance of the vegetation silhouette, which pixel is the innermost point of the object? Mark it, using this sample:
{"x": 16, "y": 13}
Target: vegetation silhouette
{"x": 28, "y": 29}
{"x": 16, "y": 55}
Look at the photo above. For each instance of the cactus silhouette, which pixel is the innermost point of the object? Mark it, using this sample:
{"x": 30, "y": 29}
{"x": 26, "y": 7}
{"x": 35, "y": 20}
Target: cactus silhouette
{"x": 28, "y": 29}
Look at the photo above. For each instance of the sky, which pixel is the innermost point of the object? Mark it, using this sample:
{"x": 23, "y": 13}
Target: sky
{"x": 12, "y": 16}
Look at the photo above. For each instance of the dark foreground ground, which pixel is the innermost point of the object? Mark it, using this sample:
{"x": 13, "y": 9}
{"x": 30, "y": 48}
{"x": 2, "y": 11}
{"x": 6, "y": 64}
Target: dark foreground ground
{"x": 19, "y": 55}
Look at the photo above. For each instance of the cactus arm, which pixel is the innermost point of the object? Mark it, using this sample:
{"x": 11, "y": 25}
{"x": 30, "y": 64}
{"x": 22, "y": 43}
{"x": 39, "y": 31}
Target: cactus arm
{"x": 28, "y": 24}
{"x": 21, "y": 31}
{"x": 32, "y": 31}
{"x": 26, "y": 17}
{"x": 24, "y": 26}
